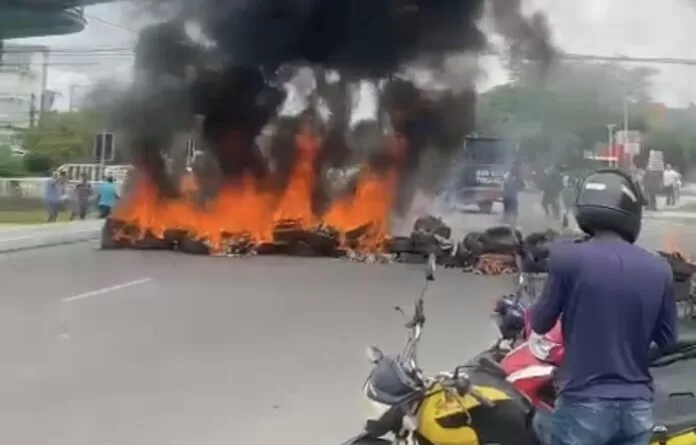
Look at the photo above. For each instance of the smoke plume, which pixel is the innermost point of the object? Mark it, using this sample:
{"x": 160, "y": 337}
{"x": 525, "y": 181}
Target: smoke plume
{"x": 228, "y": 82}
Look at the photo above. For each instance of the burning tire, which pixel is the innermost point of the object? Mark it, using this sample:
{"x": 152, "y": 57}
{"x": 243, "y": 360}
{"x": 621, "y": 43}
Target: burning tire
{"x": 109, "y": 240}
{"x": 472, "y": 243}
{"x": 151, "y": 242}
{"x": 192, "y": 246}
{"x": 501, "y": 240}
{"x": 432, "y": 224}
{"x": 400, "y": 244}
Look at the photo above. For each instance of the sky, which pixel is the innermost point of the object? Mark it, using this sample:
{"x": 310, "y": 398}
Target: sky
{"x": 636, "y": 28}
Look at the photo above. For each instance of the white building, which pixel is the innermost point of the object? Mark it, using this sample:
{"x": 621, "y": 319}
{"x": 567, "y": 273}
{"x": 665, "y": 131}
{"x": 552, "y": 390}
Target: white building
{"x": 23, "y": 73}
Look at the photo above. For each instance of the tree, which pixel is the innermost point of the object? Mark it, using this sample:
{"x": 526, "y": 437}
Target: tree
{"x": 10, "y": 166}
{"x": 566, "y": 110}
{"x": 38, "y": 164}
{"x": 62, "y": 137}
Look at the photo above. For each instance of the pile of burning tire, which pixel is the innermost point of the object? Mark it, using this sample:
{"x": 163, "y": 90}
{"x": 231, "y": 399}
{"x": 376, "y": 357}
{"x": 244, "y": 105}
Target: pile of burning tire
{"x": 489, "y": 252}
{"x": 497, "y": 250}
{"x": 289, "y": 238}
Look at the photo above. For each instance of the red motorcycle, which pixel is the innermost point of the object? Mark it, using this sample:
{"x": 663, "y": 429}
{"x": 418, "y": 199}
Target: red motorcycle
{"x": 530, "y": 360}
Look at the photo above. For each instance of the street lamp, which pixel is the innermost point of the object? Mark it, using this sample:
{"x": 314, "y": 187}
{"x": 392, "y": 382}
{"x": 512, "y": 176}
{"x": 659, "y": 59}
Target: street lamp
{"x": 610, "y": 129}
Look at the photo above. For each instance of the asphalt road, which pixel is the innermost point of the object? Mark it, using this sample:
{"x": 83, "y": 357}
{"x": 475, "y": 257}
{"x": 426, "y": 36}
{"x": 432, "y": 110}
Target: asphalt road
{"x": 155, "y": 348}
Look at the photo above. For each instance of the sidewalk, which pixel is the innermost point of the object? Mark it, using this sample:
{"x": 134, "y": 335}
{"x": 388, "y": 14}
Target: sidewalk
{"x": 15, "y": 237}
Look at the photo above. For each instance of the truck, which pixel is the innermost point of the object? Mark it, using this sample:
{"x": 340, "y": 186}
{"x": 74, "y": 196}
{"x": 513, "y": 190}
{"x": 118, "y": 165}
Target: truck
{"x": 478, "y": 172}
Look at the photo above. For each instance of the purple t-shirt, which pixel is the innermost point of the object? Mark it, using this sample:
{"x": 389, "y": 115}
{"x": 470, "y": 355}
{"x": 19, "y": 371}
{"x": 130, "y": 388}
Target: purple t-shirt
{"x": 614, "y": 299}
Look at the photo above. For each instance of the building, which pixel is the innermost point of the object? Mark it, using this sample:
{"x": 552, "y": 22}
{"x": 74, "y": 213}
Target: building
{"x": 23, "y": 95}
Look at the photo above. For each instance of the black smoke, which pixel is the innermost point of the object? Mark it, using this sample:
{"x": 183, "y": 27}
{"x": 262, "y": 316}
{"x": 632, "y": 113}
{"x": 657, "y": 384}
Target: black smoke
{"x": 234, "y": 77}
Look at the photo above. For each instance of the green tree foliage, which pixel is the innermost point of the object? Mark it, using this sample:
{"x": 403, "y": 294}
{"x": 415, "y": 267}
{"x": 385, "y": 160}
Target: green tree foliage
{"x": 10, "y": 166}
{"x": 38, "y": 164}
{"x": 61, "y": 137}
{"x": 565, "y": 111}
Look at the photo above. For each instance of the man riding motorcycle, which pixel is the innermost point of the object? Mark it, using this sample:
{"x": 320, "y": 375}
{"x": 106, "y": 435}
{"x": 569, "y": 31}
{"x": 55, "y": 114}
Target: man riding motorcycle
{"x": 614, "y": 299}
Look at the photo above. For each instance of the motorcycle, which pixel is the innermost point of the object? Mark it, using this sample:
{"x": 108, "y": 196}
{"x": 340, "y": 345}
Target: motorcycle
{"x": 471, "y": 405}
{"x": 531, "y": 365}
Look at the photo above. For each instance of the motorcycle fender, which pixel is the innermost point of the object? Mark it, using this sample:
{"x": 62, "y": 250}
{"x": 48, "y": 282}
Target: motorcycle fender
{"x": 365, "y": 439}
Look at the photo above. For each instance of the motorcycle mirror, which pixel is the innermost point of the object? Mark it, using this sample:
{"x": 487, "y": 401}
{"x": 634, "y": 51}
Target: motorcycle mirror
{"x": 374, "y": 354}
{"x": 430, "y": 267}
{"x": 399, "y": 310}
{"x": 460, "y": 373}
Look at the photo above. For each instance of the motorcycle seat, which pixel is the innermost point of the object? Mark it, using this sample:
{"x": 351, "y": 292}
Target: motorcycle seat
{"x": 675, "y": 397}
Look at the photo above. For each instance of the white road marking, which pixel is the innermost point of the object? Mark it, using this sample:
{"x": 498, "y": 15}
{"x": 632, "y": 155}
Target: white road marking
{"x": 105, "y": 290}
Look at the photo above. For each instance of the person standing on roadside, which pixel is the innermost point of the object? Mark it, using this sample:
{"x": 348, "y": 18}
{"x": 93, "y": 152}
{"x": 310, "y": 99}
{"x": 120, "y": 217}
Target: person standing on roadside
{"x": 82, "y": 194}
{"x": 614, "y": 300}
{"x": 53, "y": 195}
{"x": 551, "y": 191}
{"x": 670, "y": 181}
{"x": 512, "y": 186}
{"x": 107, "y": 196}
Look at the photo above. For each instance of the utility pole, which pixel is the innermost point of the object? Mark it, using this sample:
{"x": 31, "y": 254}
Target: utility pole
{"x": 71, "y": 95}
{"x": 32, "y": 111}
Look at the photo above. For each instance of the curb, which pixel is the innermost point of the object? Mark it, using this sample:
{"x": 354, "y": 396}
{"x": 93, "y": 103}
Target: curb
{"x": 43, "y": 240}
{"x": 48, "y": 244}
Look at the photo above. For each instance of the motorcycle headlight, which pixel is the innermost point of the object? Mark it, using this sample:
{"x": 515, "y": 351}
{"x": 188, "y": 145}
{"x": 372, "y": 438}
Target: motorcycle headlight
{"x": 375, "y": 410}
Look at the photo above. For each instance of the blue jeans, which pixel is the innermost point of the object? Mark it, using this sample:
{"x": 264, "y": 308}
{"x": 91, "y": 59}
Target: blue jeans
{"x": 596, "y": 422}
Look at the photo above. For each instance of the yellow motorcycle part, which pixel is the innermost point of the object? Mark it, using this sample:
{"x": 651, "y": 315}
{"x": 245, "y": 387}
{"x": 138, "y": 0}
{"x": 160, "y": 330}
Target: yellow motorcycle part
{"x": 688, "y": 438}
{"x": 443, "y": 418}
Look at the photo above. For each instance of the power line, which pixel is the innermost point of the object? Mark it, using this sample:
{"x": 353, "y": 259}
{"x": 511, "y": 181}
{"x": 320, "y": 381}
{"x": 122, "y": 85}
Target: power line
{"x": 106, "y": 22}
{"x": 68, "y": 50}
{"x": 19, "y": 65}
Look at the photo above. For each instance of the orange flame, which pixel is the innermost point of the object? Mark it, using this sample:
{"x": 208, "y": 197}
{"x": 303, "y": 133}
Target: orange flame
{"x": 672, "y": 246}
{"x": 248, "y": 209}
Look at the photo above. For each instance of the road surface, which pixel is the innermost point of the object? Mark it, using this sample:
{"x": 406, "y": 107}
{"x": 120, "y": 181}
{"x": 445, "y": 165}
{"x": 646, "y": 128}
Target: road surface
{"x": 159, "y": 348}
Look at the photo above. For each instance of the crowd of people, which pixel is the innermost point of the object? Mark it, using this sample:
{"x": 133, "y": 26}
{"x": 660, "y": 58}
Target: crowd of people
{"x": 78, "y": 199}
{"x": 559, "y": 187}
{"x": 653, "y": 183}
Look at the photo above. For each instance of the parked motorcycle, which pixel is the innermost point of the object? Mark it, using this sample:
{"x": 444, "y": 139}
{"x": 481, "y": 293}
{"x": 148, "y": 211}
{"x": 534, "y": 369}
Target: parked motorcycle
{"x": 531, "y": 366}
{"x": 471, "y": 405}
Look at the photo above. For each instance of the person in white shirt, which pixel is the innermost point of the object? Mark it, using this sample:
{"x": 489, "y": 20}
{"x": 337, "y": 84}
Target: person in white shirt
{"x": 670, "y": 180}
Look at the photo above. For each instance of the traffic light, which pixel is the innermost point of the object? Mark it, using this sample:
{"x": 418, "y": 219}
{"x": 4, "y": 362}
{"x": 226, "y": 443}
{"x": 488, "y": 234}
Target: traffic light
{"x": 103, "y": 147}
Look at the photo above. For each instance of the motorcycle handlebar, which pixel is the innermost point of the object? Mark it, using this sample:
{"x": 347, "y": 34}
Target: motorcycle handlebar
{"x": 464, "y": 386}
{"x": 483, "y": 400}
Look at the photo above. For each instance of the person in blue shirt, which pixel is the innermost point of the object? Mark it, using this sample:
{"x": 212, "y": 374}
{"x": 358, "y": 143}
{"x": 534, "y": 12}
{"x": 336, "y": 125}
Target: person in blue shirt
{"x": 53, "y": 195}
{"x": 107, "y": 196}
{"x": 614, "y": 300}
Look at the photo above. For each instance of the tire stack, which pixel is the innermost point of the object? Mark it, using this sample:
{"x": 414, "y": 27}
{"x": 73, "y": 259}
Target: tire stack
{"x": 429, "y": 235}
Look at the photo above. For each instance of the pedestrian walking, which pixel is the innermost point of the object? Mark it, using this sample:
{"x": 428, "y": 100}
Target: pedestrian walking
{"x": 551, "y": 191}
{"x": 107, "y": 197}
{"x": 82, "y": 193}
